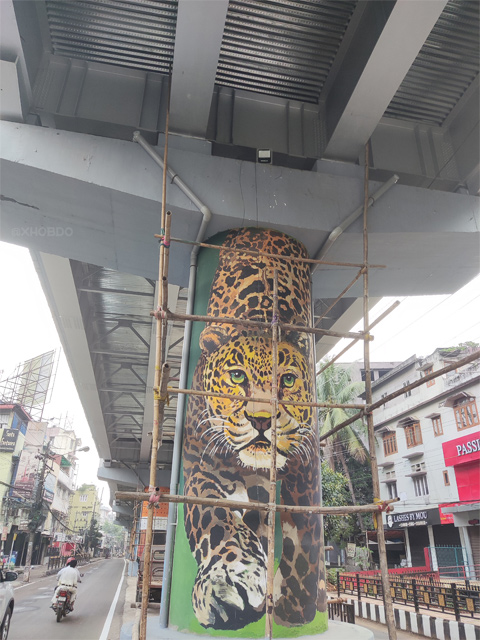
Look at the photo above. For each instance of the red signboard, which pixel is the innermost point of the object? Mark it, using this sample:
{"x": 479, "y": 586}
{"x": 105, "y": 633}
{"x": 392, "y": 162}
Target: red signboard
{"x": 462, "y": 450}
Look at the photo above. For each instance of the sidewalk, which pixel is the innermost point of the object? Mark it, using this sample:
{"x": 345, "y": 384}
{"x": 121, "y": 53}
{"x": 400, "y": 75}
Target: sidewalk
{"x": 427, "y": 624}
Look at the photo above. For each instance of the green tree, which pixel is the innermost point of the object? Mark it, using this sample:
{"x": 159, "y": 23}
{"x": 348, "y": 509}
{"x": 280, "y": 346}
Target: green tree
{"x": 93, "y": 537}
{"x": 338, "y": 529}
{"x": 335, "y": 386}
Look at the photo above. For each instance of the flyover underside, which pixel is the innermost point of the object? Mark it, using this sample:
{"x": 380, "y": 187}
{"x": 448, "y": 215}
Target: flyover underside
{"x": 97, "y": 201}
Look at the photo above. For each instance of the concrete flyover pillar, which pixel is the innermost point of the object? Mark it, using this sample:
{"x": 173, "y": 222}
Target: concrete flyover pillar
{"x": 219, "y": 579}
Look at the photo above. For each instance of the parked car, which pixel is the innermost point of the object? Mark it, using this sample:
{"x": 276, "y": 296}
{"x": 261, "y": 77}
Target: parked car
{"x": 6, "y": 601}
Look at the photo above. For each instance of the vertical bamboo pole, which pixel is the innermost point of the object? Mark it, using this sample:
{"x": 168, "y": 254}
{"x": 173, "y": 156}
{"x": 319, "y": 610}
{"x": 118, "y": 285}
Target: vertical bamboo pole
{"x": 162, "y": 372}
{"x": 272, "y": 496}
{"x": 382, "y": 551}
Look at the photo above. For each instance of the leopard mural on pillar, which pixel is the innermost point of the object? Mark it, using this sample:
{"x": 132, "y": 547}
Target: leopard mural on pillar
{"x": 227, "y": 446}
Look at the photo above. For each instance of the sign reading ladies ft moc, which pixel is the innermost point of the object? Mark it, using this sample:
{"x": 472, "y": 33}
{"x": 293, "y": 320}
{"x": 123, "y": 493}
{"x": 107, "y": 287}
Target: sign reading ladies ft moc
{"x": 219, "y": 572}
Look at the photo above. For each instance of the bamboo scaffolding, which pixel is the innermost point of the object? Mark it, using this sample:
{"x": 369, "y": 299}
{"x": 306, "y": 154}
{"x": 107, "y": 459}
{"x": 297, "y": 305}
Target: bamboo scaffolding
{"x": 289, "y": 403}
{"x": 382, "y": 549}
{"x": 161, "y": 391}
{"x": 257, "y": 324}
{"x": 272, "y": 494}
{"x": 264, "y": 254}
{"x": 162, "y": 372}
{"x": 255, "y": 506}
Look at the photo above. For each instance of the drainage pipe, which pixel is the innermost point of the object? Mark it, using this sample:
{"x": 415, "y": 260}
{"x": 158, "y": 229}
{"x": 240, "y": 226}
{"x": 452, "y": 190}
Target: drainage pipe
{"x": 177, "y": 442}
{"x": 337, "y": 232}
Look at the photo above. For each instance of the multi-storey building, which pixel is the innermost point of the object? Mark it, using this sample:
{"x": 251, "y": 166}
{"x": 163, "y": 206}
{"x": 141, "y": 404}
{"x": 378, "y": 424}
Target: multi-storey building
{"x": 428, "y": 449}
{"x": 84, "y": 507}
{"x": 36, "y": 463}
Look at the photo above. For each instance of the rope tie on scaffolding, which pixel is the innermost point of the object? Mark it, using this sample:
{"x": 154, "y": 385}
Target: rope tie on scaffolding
{"x": 165, "y": 243}
{"x": 158, "y": 396}
{"x": 160, "y": 314}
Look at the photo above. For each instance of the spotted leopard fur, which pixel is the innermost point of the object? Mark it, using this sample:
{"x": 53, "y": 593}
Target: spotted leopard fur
{"x": 227, "y": 443}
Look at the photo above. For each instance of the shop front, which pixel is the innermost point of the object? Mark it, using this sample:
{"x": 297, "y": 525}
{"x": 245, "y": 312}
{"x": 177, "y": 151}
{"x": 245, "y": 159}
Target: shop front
{"x": 463, "y": 454}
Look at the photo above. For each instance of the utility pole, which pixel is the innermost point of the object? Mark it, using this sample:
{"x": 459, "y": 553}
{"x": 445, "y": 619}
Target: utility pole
{"x": 36, "y": 515}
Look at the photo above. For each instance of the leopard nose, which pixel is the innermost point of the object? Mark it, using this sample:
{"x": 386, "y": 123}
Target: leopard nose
{"x": 261, "y": 424}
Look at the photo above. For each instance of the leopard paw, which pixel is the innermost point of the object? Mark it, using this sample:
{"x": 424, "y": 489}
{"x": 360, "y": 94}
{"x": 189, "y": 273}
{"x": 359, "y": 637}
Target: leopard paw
{"x": 229, "y": 596}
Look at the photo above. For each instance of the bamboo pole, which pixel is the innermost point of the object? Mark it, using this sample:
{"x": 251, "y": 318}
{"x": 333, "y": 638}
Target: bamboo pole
{"x": 272, "y": 494}
{"x": 289, "y": 403}
{"x": 382, "y": 550}
{"x": 349, "y": 346}
{"x": 264, "y": 254}
{"x": 257, "y": 324}
{"x": 162, "y": 371}
{"x": 254, "y": 506}
{"x": 340, "y": 296}
{"x": 159, "y": 407}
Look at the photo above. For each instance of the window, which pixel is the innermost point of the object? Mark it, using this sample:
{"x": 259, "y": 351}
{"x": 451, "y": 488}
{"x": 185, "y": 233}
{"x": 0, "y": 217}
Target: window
{"x": 418, "y": 467}
{"x": 413, "y": 434}
{"x": 427, "y": 372}
{"x": 466, "y": 413}
{"x": 437, "y": 425}
{"x": 390, "y": 443}
{"x": 446, "y": 479}
{"x": 420, "y": 485}
{"x": 392, "y": 490}
{"x": 407, "y": 394}
{"x": 84, "y": 497}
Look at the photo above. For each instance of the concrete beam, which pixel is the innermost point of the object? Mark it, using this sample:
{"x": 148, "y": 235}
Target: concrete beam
{"x": 57, "y": 282}
{"x": 387, "y": 40}
{"x": 73, "y": 195}
{"x": 200, "y": 27}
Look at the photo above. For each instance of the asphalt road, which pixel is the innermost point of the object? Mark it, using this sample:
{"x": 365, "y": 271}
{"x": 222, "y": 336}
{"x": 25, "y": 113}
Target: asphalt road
{"x": 34, "y": 620}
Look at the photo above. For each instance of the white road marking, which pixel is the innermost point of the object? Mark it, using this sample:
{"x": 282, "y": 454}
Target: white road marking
{"x": 108, "y": 621}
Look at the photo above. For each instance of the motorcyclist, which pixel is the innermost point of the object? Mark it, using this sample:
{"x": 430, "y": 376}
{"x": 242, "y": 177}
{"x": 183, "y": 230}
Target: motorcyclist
{"x": 68, "y": 578}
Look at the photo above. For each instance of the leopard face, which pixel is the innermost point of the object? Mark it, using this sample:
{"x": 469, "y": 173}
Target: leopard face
{"x": 242, "y": 429}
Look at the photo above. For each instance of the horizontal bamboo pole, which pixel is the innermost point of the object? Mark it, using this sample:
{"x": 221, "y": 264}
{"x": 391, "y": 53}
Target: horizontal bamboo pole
{"x": 256, "y": 324}
{"x": 254, "y": 506}
{"x": 214, "y": 394}
{"x": 264, "y": 254}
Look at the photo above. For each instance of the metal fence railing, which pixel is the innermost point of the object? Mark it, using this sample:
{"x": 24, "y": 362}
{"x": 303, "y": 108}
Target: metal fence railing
{"x": 58, "y": 562}
{"x": 341, "y": 611}
{"x": 462, "y": 599}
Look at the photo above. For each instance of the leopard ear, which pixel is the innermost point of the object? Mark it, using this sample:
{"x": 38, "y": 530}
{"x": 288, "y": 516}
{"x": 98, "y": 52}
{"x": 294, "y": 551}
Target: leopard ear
{"x": 212, "y": 337}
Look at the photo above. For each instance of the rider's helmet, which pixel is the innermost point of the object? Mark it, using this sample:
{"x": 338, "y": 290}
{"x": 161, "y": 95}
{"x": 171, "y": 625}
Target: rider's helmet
{"x": 69, "y": 561}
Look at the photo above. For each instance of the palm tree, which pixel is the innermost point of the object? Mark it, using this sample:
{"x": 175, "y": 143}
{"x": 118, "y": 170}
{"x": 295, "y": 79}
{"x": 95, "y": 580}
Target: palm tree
{"x": 335, "y": 385}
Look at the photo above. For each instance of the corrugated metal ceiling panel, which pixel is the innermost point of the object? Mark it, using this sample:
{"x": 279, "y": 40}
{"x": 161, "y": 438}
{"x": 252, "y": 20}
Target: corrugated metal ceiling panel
{"x": 138, "y": 35}
{"x": 282, "y": 47}
{"x": 444, "y": 69}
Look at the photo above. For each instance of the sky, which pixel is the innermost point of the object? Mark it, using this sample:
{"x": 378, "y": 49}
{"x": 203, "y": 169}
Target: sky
{"x": 418, "y": 326}
{"x": 27, "y": 330}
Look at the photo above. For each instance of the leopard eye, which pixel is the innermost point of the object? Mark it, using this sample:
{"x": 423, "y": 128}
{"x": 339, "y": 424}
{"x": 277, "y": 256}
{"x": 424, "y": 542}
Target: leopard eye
{"x": 288, "y": 380}
{"x": 237, "y": 376}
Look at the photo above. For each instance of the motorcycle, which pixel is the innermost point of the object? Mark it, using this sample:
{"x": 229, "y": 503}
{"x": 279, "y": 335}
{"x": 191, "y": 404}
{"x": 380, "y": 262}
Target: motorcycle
{"x": 62, "y": 604}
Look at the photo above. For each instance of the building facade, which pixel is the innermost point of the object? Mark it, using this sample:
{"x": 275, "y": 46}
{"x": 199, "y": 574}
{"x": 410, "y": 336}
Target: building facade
{"x": 37, "y": 464}
{"x": 84, "y": 507}
{"x": 428, "y": 450}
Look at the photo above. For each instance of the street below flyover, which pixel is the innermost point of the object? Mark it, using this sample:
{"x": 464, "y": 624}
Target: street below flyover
{"x": 98, "y": 607}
